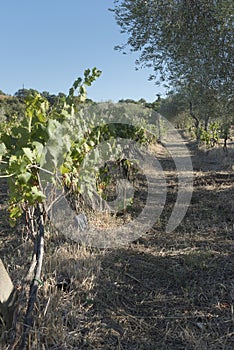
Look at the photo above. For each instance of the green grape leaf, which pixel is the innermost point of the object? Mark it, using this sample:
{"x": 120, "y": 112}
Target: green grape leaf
{"x": 24, "y": 178}
{"x": 63, "y": 169}
{"x": 37, "y": 195}
{"x": 29, "y": 153}
{"x": 15, "y": 212}
{"x": 2, "y": 150}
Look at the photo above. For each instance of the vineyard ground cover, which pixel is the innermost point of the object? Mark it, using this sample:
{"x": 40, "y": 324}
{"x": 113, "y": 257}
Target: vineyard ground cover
{"x": 163, "y": 291}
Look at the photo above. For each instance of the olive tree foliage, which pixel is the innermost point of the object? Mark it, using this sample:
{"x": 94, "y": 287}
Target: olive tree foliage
{"x": 189, "y": 46}
{"x": 180, "y": 39}
{"x": 175, "y": 108}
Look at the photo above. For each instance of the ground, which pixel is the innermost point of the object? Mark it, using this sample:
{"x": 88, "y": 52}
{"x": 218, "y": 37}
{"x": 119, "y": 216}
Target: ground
{"x": 163, "y": 291}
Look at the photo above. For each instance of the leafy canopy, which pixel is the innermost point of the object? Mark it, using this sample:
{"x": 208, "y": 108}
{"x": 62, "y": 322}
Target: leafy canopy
{"x": 182, "y": 40}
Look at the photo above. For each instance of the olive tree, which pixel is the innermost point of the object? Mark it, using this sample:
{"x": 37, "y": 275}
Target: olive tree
{"x": 187, "y": 43}
{"x": 180, "y": 38}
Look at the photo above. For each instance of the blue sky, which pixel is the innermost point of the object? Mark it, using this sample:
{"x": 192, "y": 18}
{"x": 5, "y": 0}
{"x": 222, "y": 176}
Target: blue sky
{"x": 47, "y": 44}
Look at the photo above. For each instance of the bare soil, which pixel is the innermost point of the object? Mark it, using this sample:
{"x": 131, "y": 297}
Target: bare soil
{"x": 163, "y": 291}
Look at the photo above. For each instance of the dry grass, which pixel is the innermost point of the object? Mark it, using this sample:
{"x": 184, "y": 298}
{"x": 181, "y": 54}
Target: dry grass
{"x": 164, "y": 291}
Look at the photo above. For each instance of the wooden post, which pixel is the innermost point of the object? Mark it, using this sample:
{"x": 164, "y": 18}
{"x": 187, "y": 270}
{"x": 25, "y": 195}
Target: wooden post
{"x": 7, "y": 296}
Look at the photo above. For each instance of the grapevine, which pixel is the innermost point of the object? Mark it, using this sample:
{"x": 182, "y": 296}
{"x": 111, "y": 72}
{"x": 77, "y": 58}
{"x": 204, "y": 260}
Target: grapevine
{"x": 50, "y": 144}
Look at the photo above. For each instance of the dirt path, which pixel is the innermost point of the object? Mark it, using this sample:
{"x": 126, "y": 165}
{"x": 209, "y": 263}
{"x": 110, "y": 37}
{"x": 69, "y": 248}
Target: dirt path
{"x": 164, "y": 291}
{"x": 175, "y": 291}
